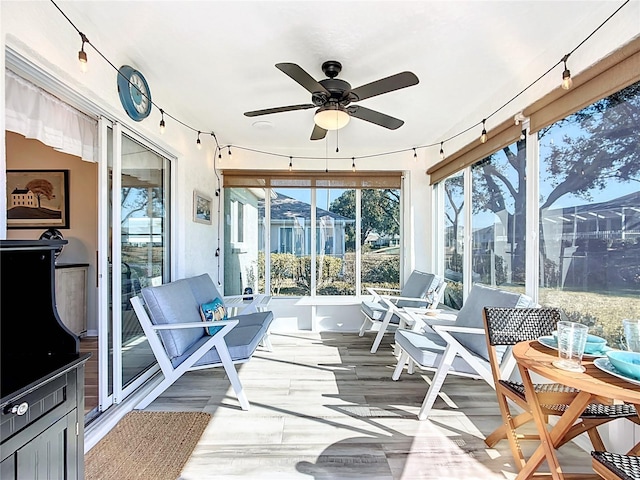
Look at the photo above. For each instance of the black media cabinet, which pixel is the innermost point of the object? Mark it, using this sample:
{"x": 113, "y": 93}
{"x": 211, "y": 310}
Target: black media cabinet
{"x": 41, "y": 370}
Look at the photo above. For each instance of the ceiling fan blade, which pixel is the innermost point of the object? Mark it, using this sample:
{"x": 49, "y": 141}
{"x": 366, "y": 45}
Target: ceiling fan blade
{"x": 289, "y": 108}
{"x": 372, "y": 116}
{"x": 385, "y": 85}
{"x": 318, "y": 133}
{"x": 302, "y": 77}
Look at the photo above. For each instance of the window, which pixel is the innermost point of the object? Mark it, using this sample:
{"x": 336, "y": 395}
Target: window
{"x": 321, "y": 238}
{"x": 243, "y": 241}
{"x": 453, "y": 238}
{"x": 499, "y": 198}
{"x": 239, "y": 222}
{"x": 590, "y": 213}
{"x": 380, "y": 238}
{"x": 335, "y": 249}
{"x": 587, "y": 213}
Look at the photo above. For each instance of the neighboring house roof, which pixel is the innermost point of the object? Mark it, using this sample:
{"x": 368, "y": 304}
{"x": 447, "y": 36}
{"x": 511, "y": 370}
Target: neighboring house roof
{"x": 629, "y": 200}
{"x": 287, "y": 208}
{"x": 20, "y": 191}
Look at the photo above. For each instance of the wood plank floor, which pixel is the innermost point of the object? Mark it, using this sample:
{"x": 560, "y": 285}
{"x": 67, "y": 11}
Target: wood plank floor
{"x": 323, "y": 407}
{"x": 90, "y": 345}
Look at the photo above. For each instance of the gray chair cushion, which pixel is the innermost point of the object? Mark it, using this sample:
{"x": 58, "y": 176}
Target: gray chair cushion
{"x": 427, "y": 350}
{"x": 470, "y": 315}
{"x": 174, "y": 303}
{"x": 203, "y": 288}
{"x": 374, "y": 310}
{"x": 241, "y": 342}
{"x": 256, "y": 318}
{"x": 417, "y": 286}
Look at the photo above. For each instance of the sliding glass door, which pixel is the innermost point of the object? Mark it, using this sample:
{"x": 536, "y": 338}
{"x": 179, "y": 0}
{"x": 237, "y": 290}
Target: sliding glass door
{"x": 136, "y": 185}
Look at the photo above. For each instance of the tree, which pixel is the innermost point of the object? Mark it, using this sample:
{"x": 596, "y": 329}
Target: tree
{"x": 380, "y": 213}
{"x": 604, "y": 145}
{"x": 41, "y": 188}
{"x": 136, "y": 199}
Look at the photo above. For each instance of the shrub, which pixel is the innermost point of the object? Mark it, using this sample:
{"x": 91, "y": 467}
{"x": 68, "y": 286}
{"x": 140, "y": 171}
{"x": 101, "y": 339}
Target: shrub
{"x": 453, "y": 295}
{"x": 337, "y": 288}
{"x": 379, "y": 269}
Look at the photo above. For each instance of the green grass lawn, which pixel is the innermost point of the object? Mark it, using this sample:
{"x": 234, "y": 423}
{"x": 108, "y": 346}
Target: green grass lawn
{"x": 602, "y": 312}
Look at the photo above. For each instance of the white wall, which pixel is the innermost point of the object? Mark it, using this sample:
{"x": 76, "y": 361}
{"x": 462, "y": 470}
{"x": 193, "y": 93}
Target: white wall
{"x": 38, "y": 33}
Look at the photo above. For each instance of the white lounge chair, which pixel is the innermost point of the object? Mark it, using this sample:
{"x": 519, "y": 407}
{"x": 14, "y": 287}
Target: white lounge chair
{"x": 420, "y": 290}
{"x": 459, "y": 348}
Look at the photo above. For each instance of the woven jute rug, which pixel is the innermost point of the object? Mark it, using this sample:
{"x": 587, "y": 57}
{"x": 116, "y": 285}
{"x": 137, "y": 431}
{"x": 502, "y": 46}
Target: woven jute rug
{"x": 146, "y": 445}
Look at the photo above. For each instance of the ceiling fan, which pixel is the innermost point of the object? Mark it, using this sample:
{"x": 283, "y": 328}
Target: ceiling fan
{"x": 333, "y": 96}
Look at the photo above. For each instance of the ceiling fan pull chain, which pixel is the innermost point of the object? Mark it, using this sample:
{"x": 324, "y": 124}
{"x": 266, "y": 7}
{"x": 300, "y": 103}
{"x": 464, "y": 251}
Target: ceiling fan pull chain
{"x": 326, "y": 155}
{"x": 337, "y": 142}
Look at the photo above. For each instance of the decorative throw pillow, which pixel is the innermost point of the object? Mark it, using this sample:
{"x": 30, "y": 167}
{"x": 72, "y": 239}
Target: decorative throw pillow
{"x": 212, "y": 311}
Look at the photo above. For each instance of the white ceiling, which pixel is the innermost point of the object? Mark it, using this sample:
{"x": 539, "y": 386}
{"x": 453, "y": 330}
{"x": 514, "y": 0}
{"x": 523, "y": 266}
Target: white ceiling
{"x": 207, "y": 62}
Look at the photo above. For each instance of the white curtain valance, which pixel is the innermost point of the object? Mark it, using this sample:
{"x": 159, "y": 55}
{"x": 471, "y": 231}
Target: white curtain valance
{"x": 34, "y": 113}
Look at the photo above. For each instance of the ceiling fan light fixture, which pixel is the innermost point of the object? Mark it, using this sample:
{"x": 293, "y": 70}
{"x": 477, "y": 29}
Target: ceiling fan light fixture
{"x": 331, "y": 117}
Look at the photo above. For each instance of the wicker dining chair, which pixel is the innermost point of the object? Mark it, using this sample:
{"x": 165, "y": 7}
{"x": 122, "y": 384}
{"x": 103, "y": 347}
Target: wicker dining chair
{"x": 615, "y": 466}
{"x": 507, "y": 326}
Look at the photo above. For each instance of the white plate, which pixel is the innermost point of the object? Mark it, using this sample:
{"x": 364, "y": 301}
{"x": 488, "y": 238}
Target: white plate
{"x": 605, "y": 365}
{"x": 549, "y": 341}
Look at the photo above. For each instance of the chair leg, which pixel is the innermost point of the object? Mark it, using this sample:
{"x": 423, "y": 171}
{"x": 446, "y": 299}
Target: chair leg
{"x": 436, "y": 383}
{"x": 404, "y": 356}
{"x": 381, "y": 332}
{"x": 155, "y": 393}
{"x": 500, "y": 433}
{"x": 363, "y": 327}
{"x": 266, "y": 342}
{"x": 411, "y": 366}
{"x": 230, "y": 369}
{"x": 510, "y": 425}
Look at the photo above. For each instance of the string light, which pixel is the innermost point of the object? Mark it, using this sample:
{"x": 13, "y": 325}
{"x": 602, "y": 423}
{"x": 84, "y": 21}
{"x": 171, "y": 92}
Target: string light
{"x": 415, "y": 155}
{"x": 229, "y": 150}
{"x": 198, "y": 142}
{"x": 162, "y": 128}
{"x": 567, "y": 83}
{"x": 441, "y": 150}
{"x": 483, "y": 136}
{"x": 290, "y": 163}
{"x": 353, "y": 164}
{"x": 82, "y": 55}
{"x": 566, "y": 75}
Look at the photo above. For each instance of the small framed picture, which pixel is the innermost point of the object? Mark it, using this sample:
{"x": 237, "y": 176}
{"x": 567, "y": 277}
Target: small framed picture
{"x": 201, "y": 208}
{"x": 37, "y": 198}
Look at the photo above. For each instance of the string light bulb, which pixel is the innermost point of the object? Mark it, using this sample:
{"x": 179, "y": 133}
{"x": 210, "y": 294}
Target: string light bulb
{"x": 162, "y": 126}
{"x": 483, "y": 136}
{"x": 229, "y": 150}
{"x": 441, "y": 150}
{"x": 198, "y": 142}
{"x": 219, "y": 154}
{"x": 82, "y": 55}
{"x": 290, "y": 163}
{"x": 415, "y": 155}
{"x": 567, "y": 82}
{"x": 353, "y": 164}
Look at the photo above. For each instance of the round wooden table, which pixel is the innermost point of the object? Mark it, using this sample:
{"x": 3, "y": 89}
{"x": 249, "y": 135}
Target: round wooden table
{"x": 595, "y": 385}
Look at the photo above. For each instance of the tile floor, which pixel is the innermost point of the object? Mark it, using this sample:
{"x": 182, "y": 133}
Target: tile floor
{"x": 323, "y": 407}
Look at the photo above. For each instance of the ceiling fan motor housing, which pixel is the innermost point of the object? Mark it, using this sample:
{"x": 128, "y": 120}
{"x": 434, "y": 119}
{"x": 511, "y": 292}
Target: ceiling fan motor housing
{"x": 337, "y": 88}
